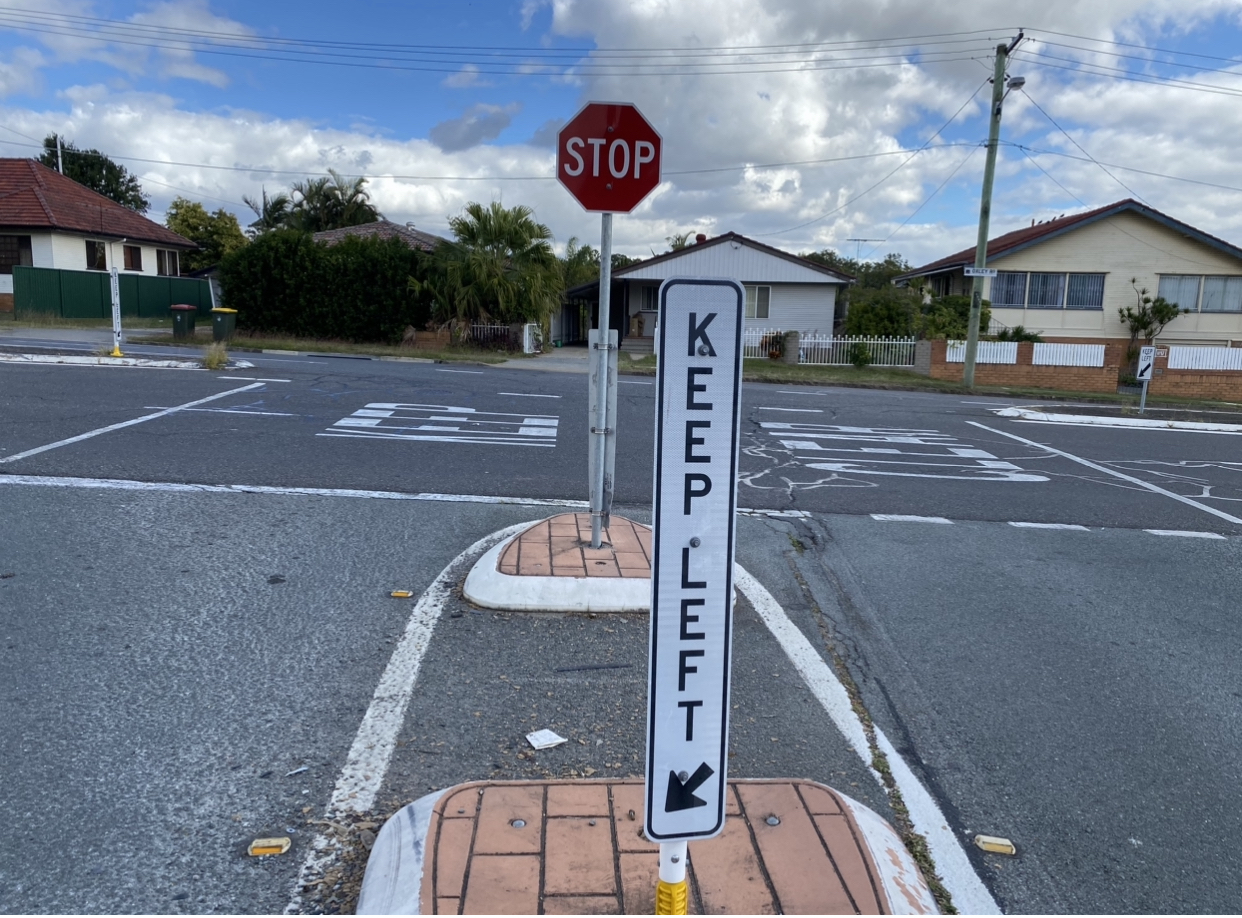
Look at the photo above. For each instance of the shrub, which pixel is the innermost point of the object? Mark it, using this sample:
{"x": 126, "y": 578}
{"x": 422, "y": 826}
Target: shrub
{"x": 949, "y": 317}
{"x": 859, "y": 355}
{"x": 286, "y": 283}
{"x": 1017, "y": 333}
{"x": 882, "y": 312}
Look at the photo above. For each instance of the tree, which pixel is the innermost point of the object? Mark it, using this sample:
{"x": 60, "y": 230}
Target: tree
{"x": 949, "y": 317}
{"x": 876, "y": 312}
{"x": 677, "y": 241}
{"x": 216, "y": 235}
{"x": 580, "y": 264}
{"x": 272, "y": 213}
{"x": 870, "y": 274}
{"x": 1146, "y": 319}
{"x": 331, "y": 203}
{"x": 97, "y": 172}
{"x": 500, "y": 268}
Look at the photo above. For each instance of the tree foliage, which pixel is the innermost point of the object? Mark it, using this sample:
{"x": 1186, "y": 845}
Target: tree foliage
{"x": 216, "y": 234}
{"x": 1147, "y": 318}
{"x": 949, "y": 317}
{"x": 97, "y": 172}
{"x": 870, "y": 274}
{"x": 314, "y": 205}
{"x": 359, "y": 290}
{"x": 878, "y": 312}
{"x": 500, "y": 268}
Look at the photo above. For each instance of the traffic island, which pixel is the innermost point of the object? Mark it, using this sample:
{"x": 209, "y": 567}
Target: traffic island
{"x": 551, "y": 567}
{"x": 577, "y": 847}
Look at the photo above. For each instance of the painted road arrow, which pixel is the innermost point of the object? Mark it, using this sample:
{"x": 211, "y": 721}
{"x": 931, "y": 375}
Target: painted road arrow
{"x": 680, "y": 795}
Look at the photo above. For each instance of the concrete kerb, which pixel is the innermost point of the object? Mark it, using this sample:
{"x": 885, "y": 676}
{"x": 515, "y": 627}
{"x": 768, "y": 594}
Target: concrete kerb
{"x": 102, "y": 361}
{"x": 486, "y": 586}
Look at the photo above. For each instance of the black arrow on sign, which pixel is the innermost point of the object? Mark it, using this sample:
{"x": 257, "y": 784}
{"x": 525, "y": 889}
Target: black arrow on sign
{"x": 1144, "y": 370}
{"x": 680, "y": 795}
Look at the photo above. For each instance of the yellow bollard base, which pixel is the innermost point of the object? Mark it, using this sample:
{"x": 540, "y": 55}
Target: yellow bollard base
{"x": 672, "y": 898}
{"x": 116, "y": 352}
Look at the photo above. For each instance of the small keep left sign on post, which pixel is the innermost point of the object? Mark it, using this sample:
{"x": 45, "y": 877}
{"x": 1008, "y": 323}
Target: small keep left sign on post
{"x": 695, "y": 502}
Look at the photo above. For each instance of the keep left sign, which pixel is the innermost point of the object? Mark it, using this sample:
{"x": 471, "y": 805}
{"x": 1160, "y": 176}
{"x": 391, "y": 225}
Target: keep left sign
{"x": 695, "y": 503}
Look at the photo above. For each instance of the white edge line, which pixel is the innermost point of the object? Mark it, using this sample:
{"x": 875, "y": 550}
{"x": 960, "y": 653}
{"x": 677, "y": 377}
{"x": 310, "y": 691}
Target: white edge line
{"x": 1185, "y": 534}
{"x": 366, "y": 765}
{"x": 528, "y": 394}
{"x": 475, "y": 372}
{"x": 959, "y": 878}
{"x": 1091, "y": 420}
{"x": 793, "y": 410}
{"x": 905, "y": 518}
{"x": 121, "y": 484}
{"x": 123, "y": 424}
{"x": 1107, "y": 471}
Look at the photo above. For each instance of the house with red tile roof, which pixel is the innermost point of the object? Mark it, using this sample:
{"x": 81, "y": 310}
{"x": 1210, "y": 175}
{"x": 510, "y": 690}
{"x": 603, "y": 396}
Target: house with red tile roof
{"x": 50, "y": 221}
{"x": 1068, "y": 277}
{"x": 383, "y": 229}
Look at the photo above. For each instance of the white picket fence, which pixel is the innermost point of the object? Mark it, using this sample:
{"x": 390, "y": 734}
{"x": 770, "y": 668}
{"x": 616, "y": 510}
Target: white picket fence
{"x": 829, "y": 350}
{"x": 988, "y": 352}
{"x": 1191, "y": 357}
{"x": 1047, "y": 354}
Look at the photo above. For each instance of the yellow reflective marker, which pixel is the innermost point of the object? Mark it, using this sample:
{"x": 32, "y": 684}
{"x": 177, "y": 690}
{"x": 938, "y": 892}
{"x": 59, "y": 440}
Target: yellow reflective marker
{"x": 995, "y": 844}
{"x": 671, "y": 898}
{"x": 261, "y": 846}
{"x": 400, "y": 594}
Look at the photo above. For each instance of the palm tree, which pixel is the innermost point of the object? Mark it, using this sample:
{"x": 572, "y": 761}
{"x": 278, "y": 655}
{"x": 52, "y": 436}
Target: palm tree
{"x": 500, "y": 268}
{"x": 272, "y": 213}
{"x": 330, "y": 203}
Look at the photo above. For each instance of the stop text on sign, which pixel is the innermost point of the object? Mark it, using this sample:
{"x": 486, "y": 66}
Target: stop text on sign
{"x": 693, "y": 513}
{"x": 608, "y": 157}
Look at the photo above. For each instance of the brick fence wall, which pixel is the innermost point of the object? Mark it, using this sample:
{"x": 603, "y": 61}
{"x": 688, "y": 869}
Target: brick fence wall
{"x": 1220, "y": 385}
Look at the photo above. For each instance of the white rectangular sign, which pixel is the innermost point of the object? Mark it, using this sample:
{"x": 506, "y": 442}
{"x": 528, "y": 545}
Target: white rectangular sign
{"x": 696, "y": 457}
{"x": 1147, "y": 362}
{"x": 980, "y": 272}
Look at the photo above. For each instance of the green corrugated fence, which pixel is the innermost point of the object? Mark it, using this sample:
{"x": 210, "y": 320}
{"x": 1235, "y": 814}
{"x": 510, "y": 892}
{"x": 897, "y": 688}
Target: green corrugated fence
{"x": 85, "y": 294}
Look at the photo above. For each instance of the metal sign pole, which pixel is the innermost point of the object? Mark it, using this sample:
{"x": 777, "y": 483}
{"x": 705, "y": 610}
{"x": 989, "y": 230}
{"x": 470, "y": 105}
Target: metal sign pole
{"x": 116, "y": 313}
{"x": 1143, "y": 397}
{"x": 603, "y": 345}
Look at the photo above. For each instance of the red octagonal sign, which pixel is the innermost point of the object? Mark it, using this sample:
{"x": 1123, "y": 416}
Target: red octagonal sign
{"x": 608, "y": 156}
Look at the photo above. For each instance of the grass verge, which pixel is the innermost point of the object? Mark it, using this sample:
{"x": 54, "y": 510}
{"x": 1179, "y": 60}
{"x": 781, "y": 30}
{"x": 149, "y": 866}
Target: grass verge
{"x": 43, "y": 320}
{"x": 771, "y": 371}
{"x": 244, "y": 341}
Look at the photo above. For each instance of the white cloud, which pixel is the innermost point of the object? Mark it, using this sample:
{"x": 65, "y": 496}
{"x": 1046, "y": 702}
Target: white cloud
{"x": 467, "y": 77}
{"x": 479, "y": 124}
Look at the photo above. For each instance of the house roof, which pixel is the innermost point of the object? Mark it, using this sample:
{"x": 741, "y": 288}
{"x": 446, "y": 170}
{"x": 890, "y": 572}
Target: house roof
{"x": 694, "y": 248}
{"x": 382, "y": 229}
{"x": 1020, "y": 239}
{"x": 32, "y": 196}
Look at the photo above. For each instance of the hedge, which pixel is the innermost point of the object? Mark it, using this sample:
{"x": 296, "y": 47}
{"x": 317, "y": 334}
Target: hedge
{"x": 358, "y": 290}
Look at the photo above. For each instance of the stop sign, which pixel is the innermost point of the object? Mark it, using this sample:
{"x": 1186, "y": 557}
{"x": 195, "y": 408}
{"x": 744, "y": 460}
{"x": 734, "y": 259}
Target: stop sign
{"x": 608, "y": 156}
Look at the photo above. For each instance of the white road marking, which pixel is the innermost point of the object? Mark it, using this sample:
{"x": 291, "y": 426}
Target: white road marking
{"x": 1185, "y": 534}
{"x": 528, "y": 394}
{"x": 253, "y": 379}
{"x": 475, "y": 372}
{"x": 793, "y": 410}
{"x": 1107, "y": 471}
{"x": 395, "y": 421}
{"x": 122, "y": 484}
{"x": 367, "y": 763}
{"x": 906, "y": 518}
{"x": 273, "y": 414}
{"x": 635, "y": 382}
{"x": 1071, "y": 526}
{"x": 795, "y": 392}
{"x": 111, "y": 427}
{"x": 1028, "y": 416}
{"x": 969, "y": 894}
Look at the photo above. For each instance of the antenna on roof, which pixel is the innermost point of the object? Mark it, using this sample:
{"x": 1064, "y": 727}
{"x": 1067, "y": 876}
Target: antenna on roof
{"x": 60, "y": 166}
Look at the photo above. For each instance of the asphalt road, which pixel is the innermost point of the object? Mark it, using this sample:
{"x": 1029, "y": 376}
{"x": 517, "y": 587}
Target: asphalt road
{"x": 171, "y": 655}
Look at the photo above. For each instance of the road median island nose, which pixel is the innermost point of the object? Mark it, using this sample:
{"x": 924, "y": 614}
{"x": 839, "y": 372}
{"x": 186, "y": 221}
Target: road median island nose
{"x": 577, "y": 847}
{"x": 551, "y": 567}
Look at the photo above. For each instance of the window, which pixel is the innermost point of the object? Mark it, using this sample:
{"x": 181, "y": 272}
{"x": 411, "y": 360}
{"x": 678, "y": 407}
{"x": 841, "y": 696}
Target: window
{"x": 1181, "y": 289}
{"x": 1009, "y": 289}
{"x": 649, "y": 299}
{"x": 1222, "y": 294}
{"x": 96, "y": 255}
{"x": 1047, "y": 291}
{"x": 1085, "y": 291}
{"x": 133, "y": 258}
{"x": 758, "y": 302}
{"x": 14, "y": 250}
{"x": 166, "y": 262}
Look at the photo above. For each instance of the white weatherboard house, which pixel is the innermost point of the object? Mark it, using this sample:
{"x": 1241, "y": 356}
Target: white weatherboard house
{"x": 1068, "y": 277}
{"x": 783, "y": 291}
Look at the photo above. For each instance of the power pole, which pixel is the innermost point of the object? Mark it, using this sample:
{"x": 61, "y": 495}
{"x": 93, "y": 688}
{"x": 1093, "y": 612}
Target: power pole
{"x": 985, "y": 210}
{"x": 60, "y": 166}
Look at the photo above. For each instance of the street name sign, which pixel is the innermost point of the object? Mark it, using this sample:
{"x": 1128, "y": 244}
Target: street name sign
{"x": 979, "y": 272}
{"x": 608, "y": 157}
{"x": 694, "y": 508}
{"x": 1146, "y": 362}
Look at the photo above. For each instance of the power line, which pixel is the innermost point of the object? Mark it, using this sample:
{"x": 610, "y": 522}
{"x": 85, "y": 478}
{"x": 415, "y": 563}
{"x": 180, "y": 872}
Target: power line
{"x": 926, "y": 200}
{"x": 1041, "y": 60}
{"x": 1122, "y": 44}
{"x": 1163, "y": 175}
{"x": 1080, "y": 147}
{"x": 1036, "y": 164}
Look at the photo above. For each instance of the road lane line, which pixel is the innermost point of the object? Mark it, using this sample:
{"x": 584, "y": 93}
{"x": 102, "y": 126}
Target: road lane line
{"x": 111, "y": 427}
{"x": 1069, "y": 526}
{"x": 366, "y": 765}
{"x": 1107, "y": 471}
{"x": 528, "y": 394}
{"x": 969, "y": 894}
{"x": 906, "y": 518}
{"x": 795, "y": 392}
{"x": 273, "y": 414}
{"x": 252, "y": 379}
{"x": 475, "y": 372}
{"x": 635, "y": 382}
{"x": 794, "y": 410}
{"x": 1185, "y": 534}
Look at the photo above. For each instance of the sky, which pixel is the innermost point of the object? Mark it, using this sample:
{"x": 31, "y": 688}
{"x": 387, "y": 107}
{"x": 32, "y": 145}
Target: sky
{"x": 805, "y": 124}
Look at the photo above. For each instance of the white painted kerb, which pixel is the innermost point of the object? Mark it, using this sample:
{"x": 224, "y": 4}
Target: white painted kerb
{"x": 488, "y": 587}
